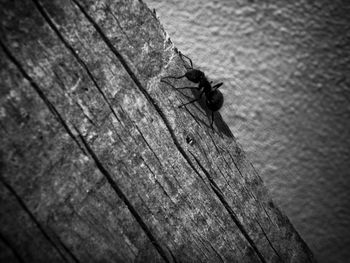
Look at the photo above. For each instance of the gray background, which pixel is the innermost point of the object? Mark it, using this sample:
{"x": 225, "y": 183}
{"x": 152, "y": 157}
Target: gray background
{"x": 285, "y": 67}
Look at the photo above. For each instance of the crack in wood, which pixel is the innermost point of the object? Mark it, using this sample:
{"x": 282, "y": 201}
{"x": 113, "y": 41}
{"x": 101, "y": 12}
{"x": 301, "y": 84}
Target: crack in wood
{"x": 123, "y": 197}
{"x": 270, "y": 243}
{"x": 41, "y": 94}
{"x": 139, "y": 85}
{"x": 11, "y": 247}
{"x": 75, "y": 55}
{"x": 157, "y": 181}
{"x": 217, "y": 253}
{"x": 233, "y": 216}
{"x": 119, "y": 25}
{"x": 65, "y": 248}
{"x": 148, "y": 145}
{"x": 256, "y": 200}
{"x": 32, "y": 217}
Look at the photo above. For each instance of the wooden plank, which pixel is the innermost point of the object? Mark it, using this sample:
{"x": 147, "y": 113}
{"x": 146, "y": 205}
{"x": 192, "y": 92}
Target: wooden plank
{"x": 100, "y": 162}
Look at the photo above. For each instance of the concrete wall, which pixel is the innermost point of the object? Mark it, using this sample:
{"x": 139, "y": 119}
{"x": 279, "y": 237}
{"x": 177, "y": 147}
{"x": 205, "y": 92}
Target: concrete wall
{"x": 286, "y": 72}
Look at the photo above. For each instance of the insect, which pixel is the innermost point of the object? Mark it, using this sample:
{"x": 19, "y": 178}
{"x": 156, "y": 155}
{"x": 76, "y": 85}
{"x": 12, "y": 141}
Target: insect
{"x": 214, "y": 98}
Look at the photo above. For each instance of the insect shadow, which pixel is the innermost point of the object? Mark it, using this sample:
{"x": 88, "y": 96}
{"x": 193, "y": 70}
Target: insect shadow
{"x": 213, "y": 97}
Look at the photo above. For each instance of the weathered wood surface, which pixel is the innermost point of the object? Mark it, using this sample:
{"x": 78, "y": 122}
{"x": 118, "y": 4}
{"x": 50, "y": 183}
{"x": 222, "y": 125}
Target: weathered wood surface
{"x": 96, "y": 164}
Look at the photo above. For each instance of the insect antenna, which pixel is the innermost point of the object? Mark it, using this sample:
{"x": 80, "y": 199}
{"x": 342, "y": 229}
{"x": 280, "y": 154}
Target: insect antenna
{"x": 182, "y": 56}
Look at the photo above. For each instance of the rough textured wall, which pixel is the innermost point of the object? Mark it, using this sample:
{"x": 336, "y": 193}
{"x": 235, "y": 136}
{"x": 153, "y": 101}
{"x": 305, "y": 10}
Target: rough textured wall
{"x": 286, "y": 68}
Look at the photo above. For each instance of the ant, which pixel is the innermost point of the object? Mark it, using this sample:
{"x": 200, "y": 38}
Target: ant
{"x": 214, "y": 98}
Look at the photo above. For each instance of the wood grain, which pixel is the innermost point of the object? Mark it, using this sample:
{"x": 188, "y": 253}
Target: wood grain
{"x": 95, "y": 159}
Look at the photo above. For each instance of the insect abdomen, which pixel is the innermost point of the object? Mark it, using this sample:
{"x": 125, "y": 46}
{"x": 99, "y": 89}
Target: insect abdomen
{"x": 215, "y": 100}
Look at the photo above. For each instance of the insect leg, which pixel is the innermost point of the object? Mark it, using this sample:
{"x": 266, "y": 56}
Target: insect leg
{"x": 188, "y": 88}
{"x": 173, "y": 77}
{"x": 212, "y": 120}
{"x": 216, "y": 86}
{"x": 200, "y": 96}
{"x": 180, "y": 106}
